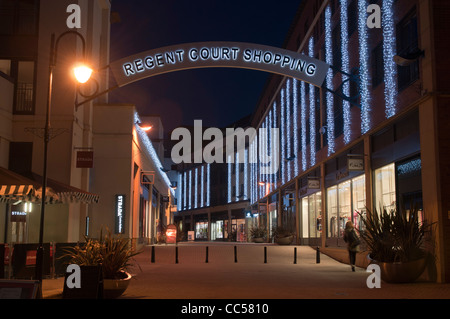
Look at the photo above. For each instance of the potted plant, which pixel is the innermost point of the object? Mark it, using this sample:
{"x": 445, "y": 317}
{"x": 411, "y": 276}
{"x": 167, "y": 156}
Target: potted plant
{"x": 258, "y": 234}
{"x": 395, "y": 241}
{"x": 113, "y": 253}
{"x": 282, "y": 235}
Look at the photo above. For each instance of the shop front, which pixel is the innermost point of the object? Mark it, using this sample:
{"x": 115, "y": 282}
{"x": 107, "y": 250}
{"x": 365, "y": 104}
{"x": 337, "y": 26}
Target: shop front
{"x": 219, "y": 226}
{"x": 310, "y": 201}
{"x": 201, "y": 227}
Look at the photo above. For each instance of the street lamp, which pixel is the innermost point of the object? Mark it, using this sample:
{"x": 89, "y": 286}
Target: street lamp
{"x": 82, "y": 73}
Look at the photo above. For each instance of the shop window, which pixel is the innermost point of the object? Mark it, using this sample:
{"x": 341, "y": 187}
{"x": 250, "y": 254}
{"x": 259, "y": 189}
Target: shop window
{"x": 359, "y": 199}
{"x": 344, "y": 201}
{"x": 385, "y": 197}
{"x": 332, "y": 209}
{"x": 315, "y": 215}
{"x": 345, "y": 208}
{"x": 305, "y": 217}
{"x": 201, "y": 230}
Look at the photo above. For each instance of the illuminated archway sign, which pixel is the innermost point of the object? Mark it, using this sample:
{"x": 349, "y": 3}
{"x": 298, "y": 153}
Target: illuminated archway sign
{"x": 219, "y": 54}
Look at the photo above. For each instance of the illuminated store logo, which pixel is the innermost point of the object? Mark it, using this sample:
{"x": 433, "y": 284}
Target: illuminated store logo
{"x": 120, "y": 213}
{"x": 219, "y": 54}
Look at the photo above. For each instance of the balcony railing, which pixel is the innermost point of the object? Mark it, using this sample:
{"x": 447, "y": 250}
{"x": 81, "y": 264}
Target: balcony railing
{"x": 24, "y": 98}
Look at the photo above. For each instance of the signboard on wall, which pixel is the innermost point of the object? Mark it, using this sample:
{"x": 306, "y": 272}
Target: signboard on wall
{"x": 85, "y": 159}
{"x": 120, "y": 213}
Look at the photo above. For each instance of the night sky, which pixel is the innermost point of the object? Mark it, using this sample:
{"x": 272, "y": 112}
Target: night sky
{"x": 218, "y": 96}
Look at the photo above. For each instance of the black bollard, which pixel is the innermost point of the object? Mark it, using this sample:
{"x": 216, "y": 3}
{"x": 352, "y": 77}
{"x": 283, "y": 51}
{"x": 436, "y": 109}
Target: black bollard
{"x": 235, "y": 254}
{"x": 153, "y": 254}
{"x": 176, "y": 254}
{"x": 318, "y": 255}
{"x": 206, "y": 260}
{"x": 295, "y": 255}
{"x": 265, "y": 255}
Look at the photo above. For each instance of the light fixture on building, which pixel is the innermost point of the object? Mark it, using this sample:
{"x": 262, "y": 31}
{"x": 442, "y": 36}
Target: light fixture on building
{"x": 145, "y": 127}
{"x": 82, "y": 73}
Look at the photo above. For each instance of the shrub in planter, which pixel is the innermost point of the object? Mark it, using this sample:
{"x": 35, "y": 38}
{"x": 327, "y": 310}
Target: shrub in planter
{"x": 282, "y": 235}
{"x": 258, "y": 234}
{"x": 395, "y": 241}
{"x": 113, "y": 253}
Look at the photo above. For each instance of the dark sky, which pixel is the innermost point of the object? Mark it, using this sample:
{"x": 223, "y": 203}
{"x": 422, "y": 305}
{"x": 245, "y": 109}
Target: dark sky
{"x": 218, "y": 96}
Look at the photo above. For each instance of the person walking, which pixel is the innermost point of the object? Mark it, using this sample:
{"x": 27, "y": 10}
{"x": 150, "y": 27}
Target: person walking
{"x": 353, "y": 242}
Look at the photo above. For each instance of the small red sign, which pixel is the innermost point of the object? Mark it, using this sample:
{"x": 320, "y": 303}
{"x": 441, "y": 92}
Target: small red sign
{"x": 85, "y": 159}
{"x": 171, "y": 234}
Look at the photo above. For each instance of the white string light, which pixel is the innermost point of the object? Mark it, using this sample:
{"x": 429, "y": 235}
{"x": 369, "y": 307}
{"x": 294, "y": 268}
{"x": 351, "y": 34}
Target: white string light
{"x": 389, "y": 49}
{"x": 346, "y": 69}
{"x": 312, "y": 112}
{"x": 295, "y": 122}
{"x": 364, "y": 66}
{"x": 329, "y": 81}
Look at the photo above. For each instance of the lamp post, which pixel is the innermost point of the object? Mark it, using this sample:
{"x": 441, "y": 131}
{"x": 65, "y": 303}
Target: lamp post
{"x": 85, "y": 74}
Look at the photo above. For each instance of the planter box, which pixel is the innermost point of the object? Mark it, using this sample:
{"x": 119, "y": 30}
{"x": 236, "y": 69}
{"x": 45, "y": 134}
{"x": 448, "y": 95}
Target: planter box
{"x": 399, "y": 272}
{"x": 284, "y": 240}
{"x": 114, "y": 288}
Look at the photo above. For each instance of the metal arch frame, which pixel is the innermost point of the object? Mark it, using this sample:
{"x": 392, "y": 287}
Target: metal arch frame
{"x": 352, "y": 77}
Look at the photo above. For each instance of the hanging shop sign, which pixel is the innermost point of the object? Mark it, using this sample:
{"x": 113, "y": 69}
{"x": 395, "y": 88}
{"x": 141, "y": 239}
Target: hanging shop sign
{"x": 219, "y": 54}
{"x": 313, "y": 183}
{"x": 120, "y": 214}
{"x": 355, "y": 164}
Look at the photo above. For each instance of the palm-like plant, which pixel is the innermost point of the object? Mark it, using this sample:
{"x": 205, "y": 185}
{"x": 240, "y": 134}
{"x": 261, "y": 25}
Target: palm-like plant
{"x": 395, "y": 236}
{"x": 113, "y": 253}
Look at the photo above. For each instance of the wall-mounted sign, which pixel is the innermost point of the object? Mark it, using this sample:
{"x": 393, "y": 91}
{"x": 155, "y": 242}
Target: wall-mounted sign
{"x": 85, "y": 159}
{"x": 355, "y": 164}
{"x": 219, "y": 54}
{"x": 120, "y": 214}
{"x": 17, "y": 216}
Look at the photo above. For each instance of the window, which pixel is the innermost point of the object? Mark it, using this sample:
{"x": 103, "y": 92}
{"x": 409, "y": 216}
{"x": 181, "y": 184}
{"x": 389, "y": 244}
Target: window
{"x": 337, "y": 54}
{"x": 5, "y": 67}
{"x": 20, "y": 157}
{"x": 338, "y": 117}
{"x": 19, "y": 17}
{"x": 317, "y": 116}
{"x": 377, "y": 65}
{"x": 23, "y": 71}
{"x": 352, "y": 17}
{"x": 407, "y": 43}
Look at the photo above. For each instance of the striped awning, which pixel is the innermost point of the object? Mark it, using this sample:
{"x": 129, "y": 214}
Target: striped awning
{"x": 15, "y": 187}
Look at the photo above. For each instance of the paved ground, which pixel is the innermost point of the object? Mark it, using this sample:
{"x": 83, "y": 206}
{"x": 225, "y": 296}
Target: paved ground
{"x": 251, "y": 278}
